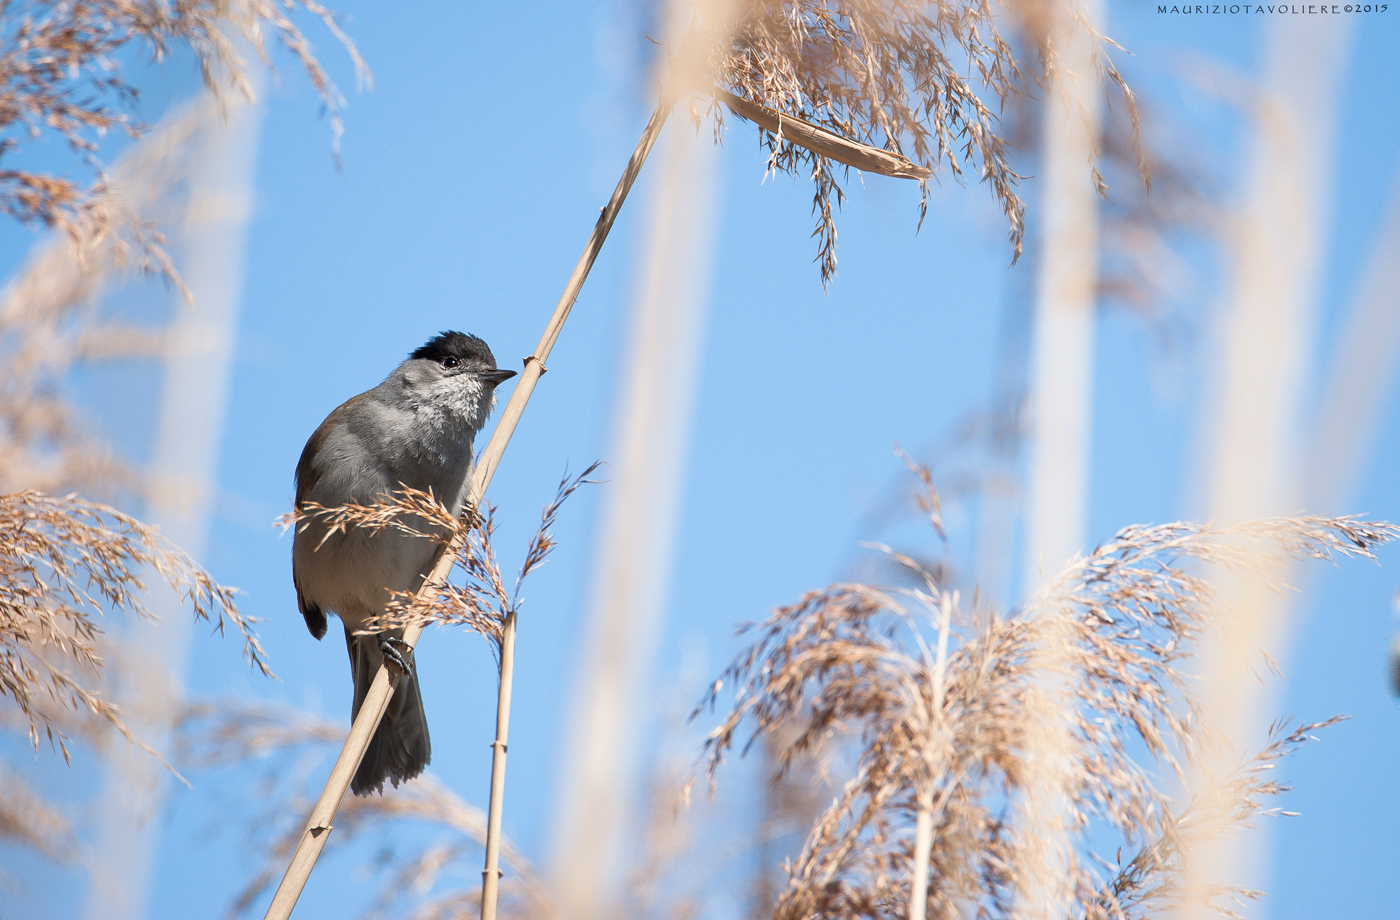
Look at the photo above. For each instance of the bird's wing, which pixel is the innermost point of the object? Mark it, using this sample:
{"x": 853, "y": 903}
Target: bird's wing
{"x": 308, "y": 474}
{"x": 313, "y": 460}
{"x": 315, "y": 617}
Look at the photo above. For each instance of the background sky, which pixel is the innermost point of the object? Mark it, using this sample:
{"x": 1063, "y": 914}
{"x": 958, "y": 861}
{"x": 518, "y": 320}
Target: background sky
{"x": 470, "y": 176}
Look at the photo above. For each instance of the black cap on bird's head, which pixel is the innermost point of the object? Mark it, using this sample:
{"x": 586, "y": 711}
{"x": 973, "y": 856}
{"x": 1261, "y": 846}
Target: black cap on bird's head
{"x": 458, "y": 349}
{"x": 457, "y": 345}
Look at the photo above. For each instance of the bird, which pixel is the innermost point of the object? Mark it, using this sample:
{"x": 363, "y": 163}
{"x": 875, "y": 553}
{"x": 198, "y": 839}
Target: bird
{"x": 415, "y": 429}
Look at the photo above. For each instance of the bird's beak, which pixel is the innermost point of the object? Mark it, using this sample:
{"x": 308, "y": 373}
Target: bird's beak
{"x": 497, "y": 377}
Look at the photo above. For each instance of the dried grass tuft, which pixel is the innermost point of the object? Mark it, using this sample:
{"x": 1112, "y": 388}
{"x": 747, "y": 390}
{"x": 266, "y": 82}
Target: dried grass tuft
{"x": 481, "y": 602}
{"x": 64, "y": 563}
{"x": 925, "y": 81}
{"x": 941, "y": 705}
{"x": 62, "y": 76}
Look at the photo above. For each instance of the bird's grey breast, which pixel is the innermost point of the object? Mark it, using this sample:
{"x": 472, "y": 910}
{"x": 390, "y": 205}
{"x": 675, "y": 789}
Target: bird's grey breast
{"x": 425, "y": 440}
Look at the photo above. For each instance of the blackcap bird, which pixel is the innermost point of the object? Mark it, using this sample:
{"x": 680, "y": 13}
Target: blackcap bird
{"x": 415, "y": 429}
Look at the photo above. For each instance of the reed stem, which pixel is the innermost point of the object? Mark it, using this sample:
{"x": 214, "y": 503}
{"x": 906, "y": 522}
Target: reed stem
{"x": 923, "y": 825}
{"x": 318, "y": 826}
{"x": 491, "y": 875}
{"x": 923, "y": 848}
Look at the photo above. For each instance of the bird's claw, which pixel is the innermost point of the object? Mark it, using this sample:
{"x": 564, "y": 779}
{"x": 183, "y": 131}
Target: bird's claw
{"x": 389, "y": 647}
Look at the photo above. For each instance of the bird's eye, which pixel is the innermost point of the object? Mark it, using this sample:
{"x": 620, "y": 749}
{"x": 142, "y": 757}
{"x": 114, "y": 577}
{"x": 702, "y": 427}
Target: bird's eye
{"x": 449, "y": 362}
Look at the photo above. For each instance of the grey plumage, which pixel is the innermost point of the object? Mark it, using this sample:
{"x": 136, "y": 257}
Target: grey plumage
{"x": 414, "y": 429}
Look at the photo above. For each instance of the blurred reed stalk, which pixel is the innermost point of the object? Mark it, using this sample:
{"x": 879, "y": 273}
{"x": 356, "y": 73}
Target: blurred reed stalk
{"x": 639, "y": 521}
{"x": 1360, "y": 375}
{"x": 923, "y": 822}
{"x": 1062, "y": 358}
{"x": 207, "y": 242}
{"x": 1359, "y": 378}
{"x": 1061, "y": 400}
{"x": 1251, "y": 460}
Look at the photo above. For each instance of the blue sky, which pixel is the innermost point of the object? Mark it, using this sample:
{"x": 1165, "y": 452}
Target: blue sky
{"x": 471, "y": 175}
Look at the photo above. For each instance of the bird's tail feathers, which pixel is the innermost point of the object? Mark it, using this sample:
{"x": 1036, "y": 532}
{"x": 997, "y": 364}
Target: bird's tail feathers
{"x": 400, "y": 748}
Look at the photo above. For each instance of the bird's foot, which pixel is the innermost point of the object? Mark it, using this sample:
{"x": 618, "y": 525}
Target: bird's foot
{"x": 389, "y": 647}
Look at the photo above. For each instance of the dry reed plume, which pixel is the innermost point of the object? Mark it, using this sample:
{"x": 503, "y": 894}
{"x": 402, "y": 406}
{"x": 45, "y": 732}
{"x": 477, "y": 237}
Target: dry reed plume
{"x": 945, "y": 708}
{"x": 64, "y": 563}
{"x": 482, "y": 603}
{"x": 924, "y": 81}
{"x": 60, "y": 74}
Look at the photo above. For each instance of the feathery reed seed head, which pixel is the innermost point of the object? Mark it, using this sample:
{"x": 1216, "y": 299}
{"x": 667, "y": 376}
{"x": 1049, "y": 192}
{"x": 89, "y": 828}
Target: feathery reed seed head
{"x": 925, "y": 82}
{"x": 940, "y": 723}
{"x": 64, "y": 562}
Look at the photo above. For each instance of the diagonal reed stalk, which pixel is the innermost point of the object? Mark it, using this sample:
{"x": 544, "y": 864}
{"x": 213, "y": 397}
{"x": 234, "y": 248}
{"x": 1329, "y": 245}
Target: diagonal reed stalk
{"x": 319, "y": 825}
